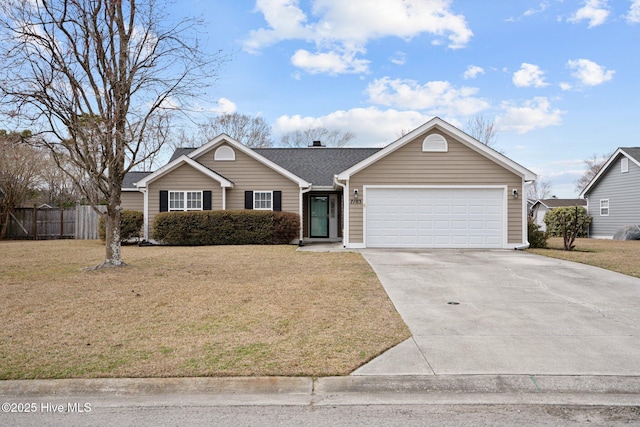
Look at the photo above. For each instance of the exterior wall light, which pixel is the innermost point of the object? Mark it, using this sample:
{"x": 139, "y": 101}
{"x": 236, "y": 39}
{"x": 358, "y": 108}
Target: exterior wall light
{"x": 515, "y": 193}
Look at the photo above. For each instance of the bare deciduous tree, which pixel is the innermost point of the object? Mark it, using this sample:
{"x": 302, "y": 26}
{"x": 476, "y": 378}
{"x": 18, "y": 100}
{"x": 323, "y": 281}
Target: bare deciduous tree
{"x": 56, "y": 185}
{"x": 99, "y": 78}
{"x": 592, "y": 166}
{"x": 305, "y": 138}
{"x": 540, "y": 189}
{"x": 20, "y": 167}
{"x": 253, "y": 132}
{"x": 483, "y": 130}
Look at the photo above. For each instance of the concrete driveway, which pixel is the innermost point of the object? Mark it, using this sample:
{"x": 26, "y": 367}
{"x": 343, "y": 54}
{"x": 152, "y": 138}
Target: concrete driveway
{"x": 507, "y": 312}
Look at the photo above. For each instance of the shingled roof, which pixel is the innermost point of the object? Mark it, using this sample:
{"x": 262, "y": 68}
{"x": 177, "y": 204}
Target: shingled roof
{"x": 317, "y": 165}
{"x": 559, "y": 203}
{"x": 131, "y": 178}
{"x": 632, "y": 152}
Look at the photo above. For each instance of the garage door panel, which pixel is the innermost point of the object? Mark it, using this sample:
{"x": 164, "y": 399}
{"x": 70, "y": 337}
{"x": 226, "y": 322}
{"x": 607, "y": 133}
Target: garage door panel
{"x": 434, "y": 217}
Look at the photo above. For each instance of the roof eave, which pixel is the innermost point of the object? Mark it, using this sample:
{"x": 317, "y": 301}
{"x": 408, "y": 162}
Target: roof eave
{"x": 177, "y": 162}
{"x": 248, "y": 151}
{"x": 466, "y": 139}
{"x": 601, "y": 172}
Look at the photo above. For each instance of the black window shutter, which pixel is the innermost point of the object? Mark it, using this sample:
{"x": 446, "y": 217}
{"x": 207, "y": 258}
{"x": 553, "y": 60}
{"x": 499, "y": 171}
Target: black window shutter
{"x": 277, "y": 200}
{"x": 206, "y": 200}
{"x": 248, "y": 199}
{"x": 164, "y": 201}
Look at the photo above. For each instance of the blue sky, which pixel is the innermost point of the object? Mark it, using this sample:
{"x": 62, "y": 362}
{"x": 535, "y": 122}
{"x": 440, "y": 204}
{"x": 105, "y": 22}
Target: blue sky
{"x": 561, "y": 78}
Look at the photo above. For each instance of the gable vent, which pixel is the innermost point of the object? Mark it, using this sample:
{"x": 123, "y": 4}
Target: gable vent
{"x": 435, "y": 143}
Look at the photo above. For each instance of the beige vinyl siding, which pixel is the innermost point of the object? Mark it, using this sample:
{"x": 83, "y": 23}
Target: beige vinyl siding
{"x": 248, "y": 174}
{"x": 132, "y": 201}
{"x": 460, "y": 165}
{"x": 183, "y": 178}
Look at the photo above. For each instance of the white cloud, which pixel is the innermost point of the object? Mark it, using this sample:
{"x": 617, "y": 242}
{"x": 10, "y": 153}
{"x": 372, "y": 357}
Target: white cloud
{"x": 472, "y": 72}
{"x": 329, "y": 62}
{"x": 347, "y": 27}
{"x": 566, "y": 86}
{"x": 286, "y": 21}
{"x": 594, "y": 11}
{"x": 224, "y": 106}
{"x": 541, "y": 8}
{"x": 589, "y": 73}
{"x": 399, "y": 58}
{"x": 633, "y": 16}
{"x": 372, "y": 126}
{"x": 530, "y": 12}
{"x": 529, "y": 75}
{"x": 532, "y": 114}
{"x": 438, "y": 97}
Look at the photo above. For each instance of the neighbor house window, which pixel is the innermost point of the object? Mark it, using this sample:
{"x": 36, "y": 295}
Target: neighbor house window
{"x": 604, "y": 207}
{"x": 185, "y": 200}
{"x": 624, "y": 165}
{"x": 262, "y": 200}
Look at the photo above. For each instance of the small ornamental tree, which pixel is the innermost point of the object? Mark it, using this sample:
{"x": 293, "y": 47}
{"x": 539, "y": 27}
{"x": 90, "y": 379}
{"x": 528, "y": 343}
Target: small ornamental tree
{"x": 537, "y": 238}
{"x": 569, "y": 222}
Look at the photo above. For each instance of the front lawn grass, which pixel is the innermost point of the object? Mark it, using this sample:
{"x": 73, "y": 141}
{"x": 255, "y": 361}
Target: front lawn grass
{"x": 622, "y": 256}
{"x": 189, "y": 311}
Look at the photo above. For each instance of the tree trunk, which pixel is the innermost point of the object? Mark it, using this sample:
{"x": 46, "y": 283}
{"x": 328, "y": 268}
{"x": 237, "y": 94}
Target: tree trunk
{"x": 113, "y": 256}
{"x": 4, "y": 220}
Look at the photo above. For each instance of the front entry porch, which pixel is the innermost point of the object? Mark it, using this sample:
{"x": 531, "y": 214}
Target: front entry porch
{"x": 322, "y": 219}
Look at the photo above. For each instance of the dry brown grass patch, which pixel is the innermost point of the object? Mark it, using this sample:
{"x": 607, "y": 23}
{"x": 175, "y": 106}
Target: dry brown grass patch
{"x": 189, "y": 311}
{"x": 615, "y": 255}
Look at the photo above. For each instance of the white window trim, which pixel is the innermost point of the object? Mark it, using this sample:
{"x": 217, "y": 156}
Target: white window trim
{"x": 185, "y": 200}
{"x": 624, "y": 165}
{"x": 604, "y": 205}
{"x": 270, "y": 208}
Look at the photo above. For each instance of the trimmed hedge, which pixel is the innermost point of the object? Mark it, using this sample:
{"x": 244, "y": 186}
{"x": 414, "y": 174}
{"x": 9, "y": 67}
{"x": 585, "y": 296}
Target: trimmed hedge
{"x": 241, "y": 227}
{"x": 130, "y": 225}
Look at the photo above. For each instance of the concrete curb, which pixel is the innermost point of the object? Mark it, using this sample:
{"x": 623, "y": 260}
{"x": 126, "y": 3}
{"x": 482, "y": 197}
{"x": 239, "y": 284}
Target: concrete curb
{"x": 156, "y": 386}
{"x": 350, "y": 390}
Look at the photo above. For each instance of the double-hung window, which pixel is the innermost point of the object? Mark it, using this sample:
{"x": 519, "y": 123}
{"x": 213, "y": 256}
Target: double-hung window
{"x": 604, "y": 207}
{"x": 262, "y": 200}
{"x": 185, "y": 200}
{"x": 194, "y": 200}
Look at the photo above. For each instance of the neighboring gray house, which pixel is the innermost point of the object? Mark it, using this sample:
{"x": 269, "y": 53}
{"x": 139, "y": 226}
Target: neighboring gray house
{"x": 613, "y": 195}
{"x": 542, "y": 206}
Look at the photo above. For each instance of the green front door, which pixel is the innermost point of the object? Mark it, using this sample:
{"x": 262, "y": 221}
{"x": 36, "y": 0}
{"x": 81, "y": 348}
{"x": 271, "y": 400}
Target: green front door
{"x": 319, "y": 216}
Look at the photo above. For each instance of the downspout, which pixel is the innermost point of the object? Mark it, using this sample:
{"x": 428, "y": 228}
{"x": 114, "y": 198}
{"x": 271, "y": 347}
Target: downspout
{"x": 525, "y": 219}
{"x": 345, "y": 210}
{"x": 145, "y": 213}
{"x": 301, "y": 204}
{"x": 224, "y": 198}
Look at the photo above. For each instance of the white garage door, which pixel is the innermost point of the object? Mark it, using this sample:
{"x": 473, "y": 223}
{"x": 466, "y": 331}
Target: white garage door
{"x": 434, "y": 217}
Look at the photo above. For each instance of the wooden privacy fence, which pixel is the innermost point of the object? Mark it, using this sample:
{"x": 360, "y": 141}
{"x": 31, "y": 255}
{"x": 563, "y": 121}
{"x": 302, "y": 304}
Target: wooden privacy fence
{"x": 80, "y": 222}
